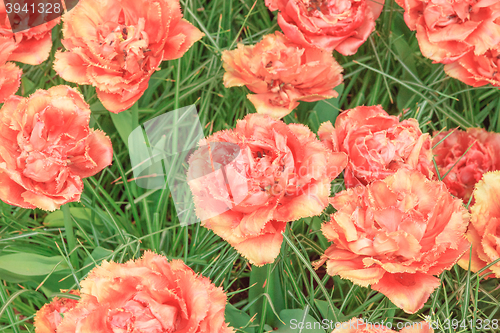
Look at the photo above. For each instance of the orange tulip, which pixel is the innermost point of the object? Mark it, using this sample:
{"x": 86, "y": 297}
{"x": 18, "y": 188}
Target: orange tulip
{"x": 50, "y": 315}
{"x": 331, "y": 25}
{"x": 477, "y": 70}
{"x": 10, "y": 74}
{"x": 116, "y": 45}
{"x": 147, "y": 295}
{"x": 47, "y": 147}
{"x": 447, "y": 30}
{"x": 463, "y": 170}
{"x": 281, "y": 74}
{"x": 484, "y": 230}
{"x": 34, "y": 42}
{"x": 395, "y": 235}
{"x": 281, "y": 173}
{"x": 377, "y": 144}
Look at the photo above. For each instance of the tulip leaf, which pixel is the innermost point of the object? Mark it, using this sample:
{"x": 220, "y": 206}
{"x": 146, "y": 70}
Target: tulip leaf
{"x": 297, "y": 320}
{"x": 406, "y": 57}
{"x": 157, "y": 78}
{"x": 56, "y": 219}
{"x": 97, "y": 256}
{"x": 265, "y": 287}
{"x": 328, "y": 109}
{"x": 325, "y": 310}
{"x": 30, "y": 264}
{"x": 123, "y": 124}
{"x": 27, "y": 86}
{"x": 238, "y": 319}
{"x": 33, "y": 269}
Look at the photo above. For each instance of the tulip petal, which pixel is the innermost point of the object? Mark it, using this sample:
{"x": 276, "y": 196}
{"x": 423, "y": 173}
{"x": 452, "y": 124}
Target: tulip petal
{"x": 71, "y": 67}
{"x": 33, "y": 51}
{"x": 183, "y": 37}
{"x": 407, "y": 291}
{"x": 262, "y": 249}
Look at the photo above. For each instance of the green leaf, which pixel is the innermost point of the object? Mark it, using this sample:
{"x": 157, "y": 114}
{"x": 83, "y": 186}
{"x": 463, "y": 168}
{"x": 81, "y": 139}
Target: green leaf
{"x": 269, "y": 285}
{"x": 407, "y": 57}
{"x": 328, "y": 109}
{"x": 56, "y": 219}
{"x": 238, "y": 319}
{"x": 123, "y": 123}
{"x": 297, "y": 321}
{"x": 27, "y": 86}
{"x": 324, "y": 309}
{"x": 30, "y": 264}
{"x": 157, "y": 78}
{"x": 257, "y": 277}
{"x": 97, "y": 256}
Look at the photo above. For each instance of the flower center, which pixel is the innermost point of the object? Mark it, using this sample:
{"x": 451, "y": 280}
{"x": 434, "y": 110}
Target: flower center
{"x": 135, "y": 316}
{"x": 328, "y": 7}
{"x": 451, "y": 13}
{"x": 120, "y": 42}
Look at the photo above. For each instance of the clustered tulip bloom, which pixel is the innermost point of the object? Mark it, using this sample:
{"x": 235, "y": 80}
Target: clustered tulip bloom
{"x": 281, "y": 173}
{"x": 146, "y": 295}
{"x": 447, "y": 30}
{"x": 331, "y": 25}
{"x": 464, "y": 156}
{"x": 10, "y": 74}
{"x": 47, "y": 147}
{"x": 464, "y": 35}
{"x": 34, "y": 42}
{"x": 377, "y": 144}
{"x": 395, "y": 235}
{"x": 281, "y": 74}
{"x": 116, "y": 45}
{"x": 50, "y": 315}
{"x": 484, "y": 230}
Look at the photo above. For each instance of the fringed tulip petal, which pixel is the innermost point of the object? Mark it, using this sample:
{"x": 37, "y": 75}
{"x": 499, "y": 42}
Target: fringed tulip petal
{"x": 407, "y": 291}
{"x": 49, "y": 317}
{"x": 33, "y": 41}
{"x": 464, "y": 156}
{"x": 484, "y": 231}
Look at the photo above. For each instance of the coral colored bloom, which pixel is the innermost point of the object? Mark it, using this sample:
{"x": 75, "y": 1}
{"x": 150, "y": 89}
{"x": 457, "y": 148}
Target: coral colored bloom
{"x": 477, "y": 70}
{"x": 10, "y": 74}
{"x": 446, "y": 30}
{"x": 149, "y": 295}
{"x": 377, "y": 144}
{"x": 34, "y": 43}
{"x": 47, "y": 147}
{"x": 466, "y": 170}
{"x": 50, "y": 315}
{"x": 279, "y": 173}
{"x": 484, "y": 230}
{"x": 395, "y": 235}
{"x": 281, "y": 74}
{"x": 116, "y": 45}
{"x": 359, "y": 326}
{"x": 328, "y": 24}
